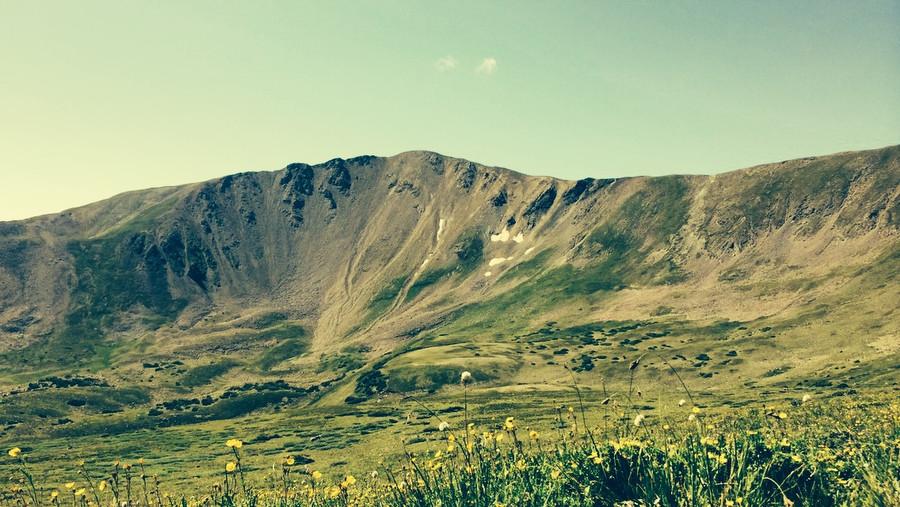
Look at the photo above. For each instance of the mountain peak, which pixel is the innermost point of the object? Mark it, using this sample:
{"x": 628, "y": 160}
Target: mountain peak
{"x": 371, "y": 250}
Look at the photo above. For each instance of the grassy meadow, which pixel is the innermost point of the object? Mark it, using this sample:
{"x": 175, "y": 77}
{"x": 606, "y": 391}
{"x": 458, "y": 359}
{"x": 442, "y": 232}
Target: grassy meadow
{"x": 476, "y": 446}
{"x": 653, "y": 412}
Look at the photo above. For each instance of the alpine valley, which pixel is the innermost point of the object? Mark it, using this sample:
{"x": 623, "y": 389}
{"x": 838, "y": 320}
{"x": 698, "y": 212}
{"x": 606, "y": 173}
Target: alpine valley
{"x": 308, "y": 309}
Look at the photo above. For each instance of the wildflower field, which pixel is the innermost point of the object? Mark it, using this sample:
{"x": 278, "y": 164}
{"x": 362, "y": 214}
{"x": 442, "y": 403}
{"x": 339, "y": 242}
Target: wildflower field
{"x": 595, "y": 449}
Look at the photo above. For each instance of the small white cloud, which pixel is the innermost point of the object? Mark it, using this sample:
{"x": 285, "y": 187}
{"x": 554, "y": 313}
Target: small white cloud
{"x": 487, "y": 66}
{"x": 445, "y": 64}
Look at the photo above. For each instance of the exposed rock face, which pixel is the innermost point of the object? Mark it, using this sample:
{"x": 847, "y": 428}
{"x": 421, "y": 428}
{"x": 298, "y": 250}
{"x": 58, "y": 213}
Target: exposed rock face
{"x": 500, "y": 199}
{"x": 540, "y": 205}
{"x": 584, "y": 188}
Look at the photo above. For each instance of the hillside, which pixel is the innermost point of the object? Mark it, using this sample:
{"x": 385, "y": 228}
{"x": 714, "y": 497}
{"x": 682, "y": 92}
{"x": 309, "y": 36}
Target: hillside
{"x": 330, "y": 285}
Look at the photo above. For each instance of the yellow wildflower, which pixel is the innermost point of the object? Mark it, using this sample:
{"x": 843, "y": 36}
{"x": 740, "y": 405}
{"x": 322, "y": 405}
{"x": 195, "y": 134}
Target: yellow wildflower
{"x": 230, "y": 467}
{"x": 348, "y": 481}
{"x": 316, "y": 475}
{"x": 718, "y": 458}
{"x": 70, "y": 485}
{"x": 533, "y": 434}
{"x": 554, "y": 474}
{"x": 510, "y": 423}
{"x": 234, "y": 443}
{"x": 289, "y": 461}
{"x": 15, "y": 451}
{"x": 101, "y": 485}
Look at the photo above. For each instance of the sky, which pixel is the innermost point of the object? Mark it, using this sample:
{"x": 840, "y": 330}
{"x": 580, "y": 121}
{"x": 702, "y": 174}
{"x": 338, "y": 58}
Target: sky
{"x": 101, "y": 97}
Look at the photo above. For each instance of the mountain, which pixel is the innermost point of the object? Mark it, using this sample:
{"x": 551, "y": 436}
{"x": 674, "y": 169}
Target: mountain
{"x": 356, "y": 277}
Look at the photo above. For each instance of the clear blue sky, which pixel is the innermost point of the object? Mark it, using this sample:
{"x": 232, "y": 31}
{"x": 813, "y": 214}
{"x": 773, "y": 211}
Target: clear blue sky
{"x": 102, "y": 97}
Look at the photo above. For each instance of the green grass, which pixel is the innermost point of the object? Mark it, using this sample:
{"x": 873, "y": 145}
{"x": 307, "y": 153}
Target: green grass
{"x": 813, "y": 452}
{"x": 427, "y": 279}
{"x": 349, "y": 358}
{"x": 432, "y": 368}
{"x": 267, "y": 320}
{"x": 55, "y": 404}
{"x": 146, "y": 220}
{"x": 469, "y": 250}
{"x": 283, "y": 331}
{"x": 383, "y": 300}
{"x": 204, "y": 374}
{"x": 659, "y": 209}
{"x": 283, "y": 351}
{"x": 528, "y": 268}
{"x": 113, "y": 276}
{"x": 508, "y": 344}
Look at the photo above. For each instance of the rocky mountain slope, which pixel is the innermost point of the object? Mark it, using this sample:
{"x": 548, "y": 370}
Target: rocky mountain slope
{"x": 373, "y": 274}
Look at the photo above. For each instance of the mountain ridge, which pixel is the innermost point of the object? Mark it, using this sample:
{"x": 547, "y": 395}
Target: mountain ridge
{"x": 417, "y": 264}
{"x": 420, "y": 152}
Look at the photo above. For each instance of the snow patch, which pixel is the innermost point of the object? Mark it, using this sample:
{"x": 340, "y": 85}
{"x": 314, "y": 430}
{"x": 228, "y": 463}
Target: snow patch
{"x": 487, "y": 273}
{"x": 499, "y": 260}
{"x": 503, "y": 237}
{"x": 530, "y": 249}
{"x": 441, "y": 223}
